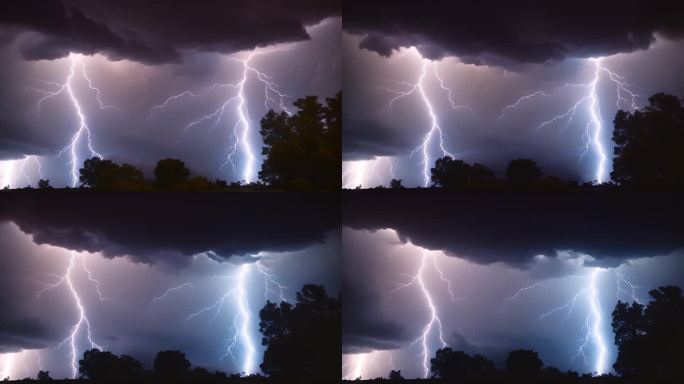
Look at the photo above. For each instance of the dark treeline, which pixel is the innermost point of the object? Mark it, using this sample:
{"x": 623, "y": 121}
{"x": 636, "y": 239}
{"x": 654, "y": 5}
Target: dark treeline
{"x": 647, "y": 156}
{"x": 650, "y": 341}
{"x": 303, "y": 343}
{"x": 301, "y": 152}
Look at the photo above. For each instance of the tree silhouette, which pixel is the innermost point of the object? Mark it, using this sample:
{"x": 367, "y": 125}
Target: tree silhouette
{"x": 523, "y": 172}
{"x": 169, "y": 173}
{"x": 458, "y": 365}
{"x": 523, "y": 364}
{"x": 171, "y": 365}
{"x": 107, "y": 175}
{"x": 648, "y": 144}
{"x": 396, "y": 184}
{"x": 650, "y": 338}
{"x": 44, "y": 184}
{"x": 105, "y": 366}
{"x": 395, "y": 375}
{"x": 303, "y": 151}
{"x": 303, "y": 341}
{"x": 44, "y": 376}
{"x": 451, "y": 173}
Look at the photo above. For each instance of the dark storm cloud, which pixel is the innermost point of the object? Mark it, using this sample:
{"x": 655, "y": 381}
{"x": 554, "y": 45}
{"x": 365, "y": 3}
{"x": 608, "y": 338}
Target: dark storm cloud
{"x": 508, "y": 32}
{"x": 362, "y": 137}
{"x": 514, "y": 228}
{"x": 156, "y": 227}
{"x": 155, "y": 31}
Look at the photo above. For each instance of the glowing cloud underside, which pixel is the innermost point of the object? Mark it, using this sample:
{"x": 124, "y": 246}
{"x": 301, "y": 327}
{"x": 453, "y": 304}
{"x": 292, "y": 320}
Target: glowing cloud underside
{"x": 594, "y": 132}
{"x": 242, "y": 129}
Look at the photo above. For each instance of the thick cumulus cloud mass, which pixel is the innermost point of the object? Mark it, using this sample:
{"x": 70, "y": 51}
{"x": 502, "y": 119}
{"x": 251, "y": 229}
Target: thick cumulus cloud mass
{"x": 505, "y": 32}
{"x": 515, "y": 228}
{"x": 172, "y": 227}
{"x": 155, "y": 31}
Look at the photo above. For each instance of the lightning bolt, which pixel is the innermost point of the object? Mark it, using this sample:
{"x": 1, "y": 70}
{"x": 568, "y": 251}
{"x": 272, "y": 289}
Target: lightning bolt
{"x": 9, "y": 170}
{"x": 594, "y": 128}
{"x": 83, "y": 324}
{"x": 241, "y": 333}
{"x": 270, "y": 284}
{"x": 360, "y": 172}
{"x": 434, "y": 322}
{"x": 355, "y": 366}
{"x": 83, "y": 132}
{"x": 171, "y": 290}
{"x": 7, "y": 365}
{"x": 435, "y": 129}
{"x": 242, "y": 128}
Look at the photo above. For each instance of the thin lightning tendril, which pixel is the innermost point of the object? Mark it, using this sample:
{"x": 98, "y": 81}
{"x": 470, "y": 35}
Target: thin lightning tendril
{"x": 83, "y": 323}
{"x": 594, "y": 128}
{"x": 242, "y": 128}
{"x": 435, "y": 322}
{"x": 83, "y": 130}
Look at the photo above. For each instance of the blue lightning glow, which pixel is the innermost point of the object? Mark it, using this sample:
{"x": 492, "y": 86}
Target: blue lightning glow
{"x": 364, "y": 172}
{"x": 593, "y": 133}
{"x": 241, "y": 332}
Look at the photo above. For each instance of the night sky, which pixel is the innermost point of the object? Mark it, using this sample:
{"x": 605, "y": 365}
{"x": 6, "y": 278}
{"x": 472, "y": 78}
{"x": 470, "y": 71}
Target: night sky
{"x": 490, "y": 54}
{"x": 136, "y": 250}
{"x": 487, "y": 249}
{"x": 140, "y": 54}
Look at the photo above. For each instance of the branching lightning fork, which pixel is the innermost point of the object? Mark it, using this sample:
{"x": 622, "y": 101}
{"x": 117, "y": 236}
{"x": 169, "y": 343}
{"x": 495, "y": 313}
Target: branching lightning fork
{"x": 83, "y": 131}
{"x": 434, "y": 323}
{"x": 83, "y": 323}
{"x": 594, "y": 129}
{"x": 242, "y": 128}
{"x": 435, "y": 129}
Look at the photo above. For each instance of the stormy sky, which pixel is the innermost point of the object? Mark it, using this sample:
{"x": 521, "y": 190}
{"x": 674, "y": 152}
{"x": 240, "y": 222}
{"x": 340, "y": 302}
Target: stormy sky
{"x": 488, "y": 248}
{"x": 295, "y": 240}
{"x": 489, "y": 54}
{"x": 139, "y": 54}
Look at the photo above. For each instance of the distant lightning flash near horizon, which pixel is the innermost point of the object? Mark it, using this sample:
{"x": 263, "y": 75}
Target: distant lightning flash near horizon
{"x": 83, "y": 132}
{"x": 434, "y": 322}
{"x": 83, "y": 323}
{"x": 360, "y": 172}
{"x": 594, "y": 129}
{"x": 435, "y": 129}
{"x": 242, "y": 128}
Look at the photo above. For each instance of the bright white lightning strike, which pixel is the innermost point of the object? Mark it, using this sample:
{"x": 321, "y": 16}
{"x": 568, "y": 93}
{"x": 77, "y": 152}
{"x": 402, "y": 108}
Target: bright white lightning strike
{"x": 83, "y": 324}
{"x": 435, "y": 129}
{"x": 242, "y": 128}
{"x": 242, "y": 323}
{"x": 83, "y": 132}
{"x": 434, "y": 323}
{"x": 11, "y": 171}
{"x": 594, "y": 128}
{"x": 361, "y": 172}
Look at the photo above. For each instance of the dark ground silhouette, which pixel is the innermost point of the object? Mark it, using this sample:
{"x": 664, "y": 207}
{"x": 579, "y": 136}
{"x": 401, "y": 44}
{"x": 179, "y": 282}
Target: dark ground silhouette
{"x": 649, "y": 340}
